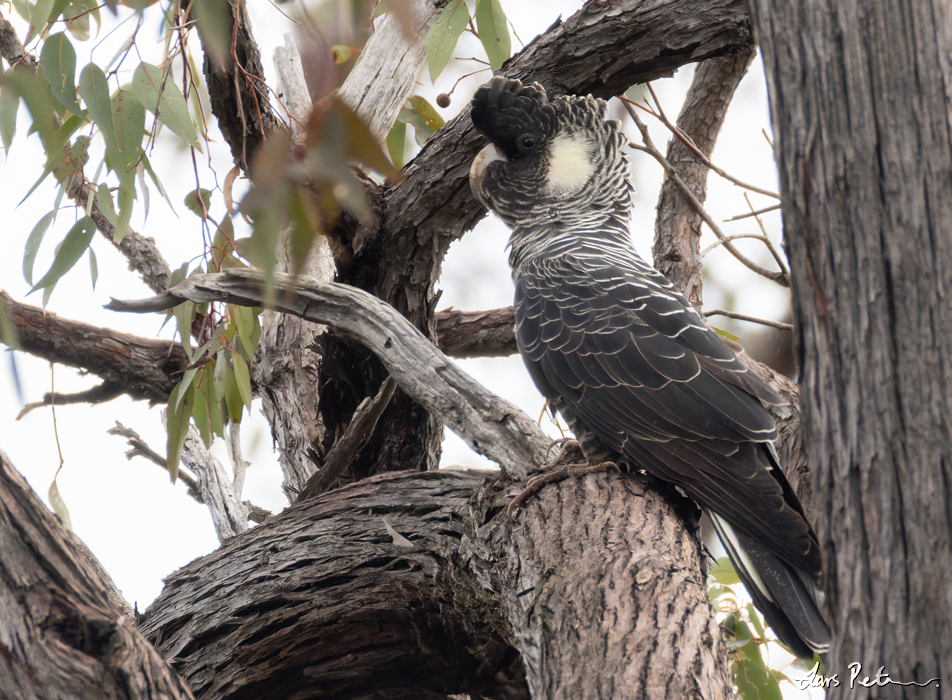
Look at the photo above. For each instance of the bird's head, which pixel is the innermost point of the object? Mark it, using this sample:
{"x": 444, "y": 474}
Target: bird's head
{"x": 547, "y": 159}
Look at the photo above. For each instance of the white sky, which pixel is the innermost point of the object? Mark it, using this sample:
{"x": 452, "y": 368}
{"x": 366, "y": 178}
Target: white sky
{"x": 141, "y": 526}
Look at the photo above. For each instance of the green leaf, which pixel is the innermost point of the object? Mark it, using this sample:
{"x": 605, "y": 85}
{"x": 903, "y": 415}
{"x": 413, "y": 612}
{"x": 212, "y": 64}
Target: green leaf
{"x": 70, "y": 250}
{"x": 723, "y": 572}
{"x": 441, "y": 40}
{"x": 163, "y": 98}
{"x": 8, "y": 336}
{"x": 33, "y": 244}
{"x": 24, "y": 8}
{"x": 754, "y": 682}
{"x": 35, "y": 91}
{"x": 425, "y": 119}
{"x": 77, "y": 17}
{"x": 754, "y": 617}
{"x": 178, "y": 412}
{"x": 230, "y": 389}
{"x": 242, "y": 377}
{"x": 42, "y": 11}
{"x": 9, "y": 106}
{"x": 94, "y": 89}
{"x": 215, "y": 23}
{"x": 200, "y": 410}
{"x": 184, "y": 315}
{"x": 128, "y": 119}
{"x": 493, "y": 32}
{"x": 397, "y": 143}
{"x": 106, "y": 207}
{"x": 93, "y": 267}
{"x": 158, "y": 184}
{"x": 361, "y": 145}
{"x": 725, "y": 334}
{"x": 127, "y": 195}
{"x": 249, "y": 330}
{"x": 58, "y": 61}
{"x": 196, "y": 207}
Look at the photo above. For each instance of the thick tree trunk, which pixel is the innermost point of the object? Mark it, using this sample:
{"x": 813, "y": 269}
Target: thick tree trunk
{"x": 860, "y": 105}
{"x": 64, "y": 631}
{"x": 421, "y": 584}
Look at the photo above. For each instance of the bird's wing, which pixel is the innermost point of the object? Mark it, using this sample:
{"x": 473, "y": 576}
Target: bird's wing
{"x": 651, "y": 381}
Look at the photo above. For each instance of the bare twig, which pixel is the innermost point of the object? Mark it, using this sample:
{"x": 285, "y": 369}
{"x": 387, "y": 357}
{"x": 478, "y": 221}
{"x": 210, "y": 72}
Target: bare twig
{"x": 758, "y": 212}
{"x": 649, "y": 148}
{"x": 770, "y": 246}
{"x": 733, "y": 237}
{"x": 140, "y": 448}
{"x": 689, "y": 144}
{"x": 779, "y": 325}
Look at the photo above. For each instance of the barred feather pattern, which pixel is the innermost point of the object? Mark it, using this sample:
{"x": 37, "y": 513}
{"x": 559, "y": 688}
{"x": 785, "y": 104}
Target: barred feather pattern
{"x": 634, "y": 369}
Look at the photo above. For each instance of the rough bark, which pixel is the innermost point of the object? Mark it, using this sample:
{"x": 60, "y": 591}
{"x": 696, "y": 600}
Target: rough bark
{"x": 417, "y": 583}
{"x": 341, "y": 607}
{"x": 62, "y": 632}
{"x": 859, "y": 99}
{"x": 678, "y": 226}
{"x": 140, "y": 367}
{"x": 604, "y": 586}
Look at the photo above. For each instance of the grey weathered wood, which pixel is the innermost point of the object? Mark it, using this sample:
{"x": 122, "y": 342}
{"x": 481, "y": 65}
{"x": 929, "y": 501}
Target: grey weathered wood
{"x": 491, "y": 426}
{"x": 859, "y": 96}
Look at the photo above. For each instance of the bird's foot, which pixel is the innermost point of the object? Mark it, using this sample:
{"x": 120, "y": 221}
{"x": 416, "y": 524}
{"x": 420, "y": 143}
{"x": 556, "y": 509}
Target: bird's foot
{"x": 569, "y": 464}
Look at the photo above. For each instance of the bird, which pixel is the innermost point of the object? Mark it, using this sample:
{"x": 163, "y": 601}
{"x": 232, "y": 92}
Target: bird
{"x": 632, "y": 367}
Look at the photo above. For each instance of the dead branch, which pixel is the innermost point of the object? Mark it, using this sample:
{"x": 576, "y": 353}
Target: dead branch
{"x": 751, "y": 319}
{"x": 696, "y": 205}
{"x": 490, "y": 426}
{"x": 476, "y": 333}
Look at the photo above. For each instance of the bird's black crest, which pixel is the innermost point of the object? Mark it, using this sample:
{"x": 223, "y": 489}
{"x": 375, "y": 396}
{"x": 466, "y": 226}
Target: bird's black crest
{"x": 505, "y": 111}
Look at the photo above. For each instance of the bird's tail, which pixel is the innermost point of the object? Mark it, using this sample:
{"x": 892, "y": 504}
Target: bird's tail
{"x": 786, "y": 597}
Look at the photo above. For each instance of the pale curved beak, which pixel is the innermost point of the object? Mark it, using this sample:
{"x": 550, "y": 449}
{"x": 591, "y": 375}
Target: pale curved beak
{"x": 478, "y": 169}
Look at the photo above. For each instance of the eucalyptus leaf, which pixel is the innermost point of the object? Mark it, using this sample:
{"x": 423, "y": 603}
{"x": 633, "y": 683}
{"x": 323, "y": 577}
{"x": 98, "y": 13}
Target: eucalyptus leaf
{"x": 493, "y": 32}
{"x": 94, "y": 89}
{"x": 70, "y": 250}
{"x": 58, "y": 61}
{"x": 163, "y": 98}
{"x": 33, "y": 244}
{"x": 440, "y": 41}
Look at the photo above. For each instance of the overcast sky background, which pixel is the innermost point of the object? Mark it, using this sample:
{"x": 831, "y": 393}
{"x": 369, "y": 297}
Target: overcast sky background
{"x": 141, "y": 526}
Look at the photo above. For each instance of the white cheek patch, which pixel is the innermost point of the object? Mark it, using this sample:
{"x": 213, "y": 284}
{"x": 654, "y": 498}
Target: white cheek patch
{"x": 570, "y": 163}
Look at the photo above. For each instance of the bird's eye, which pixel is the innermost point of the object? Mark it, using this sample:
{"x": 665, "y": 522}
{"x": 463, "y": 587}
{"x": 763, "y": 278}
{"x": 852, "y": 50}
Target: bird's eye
{"x": 527, "y": 142}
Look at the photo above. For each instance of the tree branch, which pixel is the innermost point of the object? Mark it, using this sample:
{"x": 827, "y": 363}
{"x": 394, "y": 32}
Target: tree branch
{"x": 476, "y": 333}
{"x": 489, "y": 425}
{"x": 142, "y": 368}
{"x": 678, "y": 225}
{"x": 71, "y": 638}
